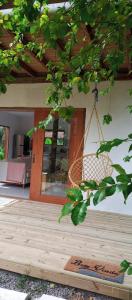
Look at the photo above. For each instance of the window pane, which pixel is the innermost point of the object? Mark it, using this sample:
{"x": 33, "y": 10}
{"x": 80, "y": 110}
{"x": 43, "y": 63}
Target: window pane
{"x": 55, "y": 158}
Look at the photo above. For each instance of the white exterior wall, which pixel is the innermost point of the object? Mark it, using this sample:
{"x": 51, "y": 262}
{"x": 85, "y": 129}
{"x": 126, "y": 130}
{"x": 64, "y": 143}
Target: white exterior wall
{"x": 34, "y": 95}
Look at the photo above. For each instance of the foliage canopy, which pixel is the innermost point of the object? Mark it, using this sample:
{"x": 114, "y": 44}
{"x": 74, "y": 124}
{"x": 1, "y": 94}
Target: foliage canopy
{"x": 107, "y": 24}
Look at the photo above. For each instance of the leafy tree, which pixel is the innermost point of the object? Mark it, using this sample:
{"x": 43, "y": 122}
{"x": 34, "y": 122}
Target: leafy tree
{"x": 109, "y": 25}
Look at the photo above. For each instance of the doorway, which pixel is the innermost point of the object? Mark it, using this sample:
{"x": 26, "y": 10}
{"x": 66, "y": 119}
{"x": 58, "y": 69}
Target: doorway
{"x": 15, "y": 152}
{"x": 53, "y": 152}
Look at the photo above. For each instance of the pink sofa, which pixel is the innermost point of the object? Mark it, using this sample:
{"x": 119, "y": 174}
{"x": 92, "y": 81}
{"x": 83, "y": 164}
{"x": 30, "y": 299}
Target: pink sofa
{"x": 17, "y": 171}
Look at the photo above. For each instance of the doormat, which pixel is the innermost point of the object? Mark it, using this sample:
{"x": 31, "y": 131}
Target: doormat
{"x": 95, "y": 268}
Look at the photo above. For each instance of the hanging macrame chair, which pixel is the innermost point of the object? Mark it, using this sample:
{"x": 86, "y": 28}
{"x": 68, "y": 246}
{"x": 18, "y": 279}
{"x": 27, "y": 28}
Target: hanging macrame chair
{"x": 89, "y": 166}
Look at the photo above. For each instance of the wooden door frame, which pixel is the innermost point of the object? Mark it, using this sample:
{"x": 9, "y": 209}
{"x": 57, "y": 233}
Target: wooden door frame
{"x": 77, "y": 133}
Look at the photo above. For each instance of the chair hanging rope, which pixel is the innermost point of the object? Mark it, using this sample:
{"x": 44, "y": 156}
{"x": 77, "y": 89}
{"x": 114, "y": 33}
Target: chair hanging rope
{"x": 89, "y": 166}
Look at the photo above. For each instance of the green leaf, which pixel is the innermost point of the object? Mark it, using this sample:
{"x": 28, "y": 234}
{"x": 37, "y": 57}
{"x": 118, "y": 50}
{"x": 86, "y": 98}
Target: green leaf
{"x": 89, "y": 185}
{"x": 83, "y": 86}
{"x": 119, "y": 169}
{"x": 75, "y": 194}
{"x": 76, "y": 61}
{"x": 107, "y": 146}
{"x": 127, "y": 158}
{"x": 84, "y": 13}
{"x": 98, "y": 197}
{"x": 129, "y": 175}
{"x": 124, "y": 178}
{"x": 110, "y": 190}
{"x": 76, "y": 79}
{"x": 130, "y": 93}
{"x": 109, "y": 180}
{"x": 31, "y": 131}
{"x": 130, "y": 148}
{"x": 130, "y": 135}
{"x": 79, "y": 212}
{"x": 3, "y": 88}
{"x": 116, "y": 142}
{"x": 129, "y": 271}
{"x": 120, "y": 187}
{"x": 107, "y": 119}
{"x": 130, "y": 109}
{"x": 49, "y": 77}
{"x": 127, "y": 190}
{"x": 66, "y": 112}
{"x": 66, "y": 210}
{"x": 102, "y": 184}
{"x": 124, "y": 265}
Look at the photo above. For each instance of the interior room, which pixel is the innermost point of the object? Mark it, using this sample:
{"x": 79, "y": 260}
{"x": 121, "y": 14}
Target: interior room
{"x": 15, "y": 153}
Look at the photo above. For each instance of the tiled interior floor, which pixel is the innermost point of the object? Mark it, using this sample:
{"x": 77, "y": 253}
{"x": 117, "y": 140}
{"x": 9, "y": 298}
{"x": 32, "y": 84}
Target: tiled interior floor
{"x": 10, "y": 190}
{"x": 56, "y": 189}
{"x": 14, "y": 191}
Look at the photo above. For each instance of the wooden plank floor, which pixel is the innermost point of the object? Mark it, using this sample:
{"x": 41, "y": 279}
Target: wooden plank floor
{"x": 33, "y": 242}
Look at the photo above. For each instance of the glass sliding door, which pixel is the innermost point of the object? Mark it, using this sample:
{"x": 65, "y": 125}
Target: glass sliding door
{"x": 55, "y": 159}
{"x": 53, "y": 152}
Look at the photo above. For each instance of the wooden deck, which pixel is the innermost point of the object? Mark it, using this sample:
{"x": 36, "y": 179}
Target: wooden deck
{"x": 33, "y": 242}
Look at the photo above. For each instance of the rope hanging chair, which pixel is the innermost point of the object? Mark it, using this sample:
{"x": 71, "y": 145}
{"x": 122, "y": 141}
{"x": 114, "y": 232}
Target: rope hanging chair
{"x": 89, "y": 166}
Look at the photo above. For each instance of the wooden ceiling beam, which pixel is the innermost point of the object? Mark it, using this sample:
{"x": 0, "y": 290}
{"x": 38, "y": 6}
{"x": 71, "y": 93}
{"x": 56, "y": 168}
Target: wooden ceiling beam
{"x": 41, "y": 78}
{"x": 43, "y": 62}
{"x": 14, "y": 74}
{"x": 23, "y": 78}
{"x": 90, "y": 32}
{"x": 27, "y": 79}
{"x": 27, "y": 68}
{"x": 5, "y": 75}
{"x": 61, "y": 45}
